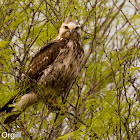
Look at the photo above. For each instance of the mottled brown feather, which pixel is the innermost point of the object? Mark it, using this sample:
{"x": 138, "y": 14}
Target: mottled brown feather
{"x": 44, "y": 57}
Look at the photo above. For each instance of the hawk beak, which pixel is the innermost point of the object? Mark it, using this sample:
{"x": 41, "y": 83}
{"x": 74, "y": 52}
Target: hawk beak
{"x": 71, "y": 29}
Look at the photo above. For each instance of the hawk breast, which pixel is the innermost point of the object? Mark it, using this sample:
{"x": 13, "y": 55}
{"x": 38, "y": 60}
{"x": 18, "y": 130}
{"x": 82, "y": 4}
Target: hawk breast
{"x": 66, "y": 66}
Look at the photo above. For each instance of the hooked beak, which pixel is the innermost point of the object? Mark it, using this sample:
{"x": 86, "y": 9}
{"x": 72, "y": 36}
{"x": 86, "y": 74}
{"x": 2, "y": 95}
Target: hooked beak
{"x": 71, "y": 30}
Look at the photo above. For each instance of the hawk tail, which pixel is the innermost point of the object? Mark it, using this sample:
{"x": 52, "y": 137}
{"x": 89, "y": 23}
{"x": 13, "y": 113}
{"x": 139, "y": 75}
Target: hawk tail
{"x": 11, "y": 117}
{"x": 24, "y": 102}
{"x": 6, "y": 106}
{"x": 23, "y": 90}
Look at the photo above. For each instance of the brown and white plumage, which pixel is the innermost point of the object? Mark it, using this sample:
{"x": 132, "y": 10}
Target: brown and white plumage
{"x": 54, "y": 66}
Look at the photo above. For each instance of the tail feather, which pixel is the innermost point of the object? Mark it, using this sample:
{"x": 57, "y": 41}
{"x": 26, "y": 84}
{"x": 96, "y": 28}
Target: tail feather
{"x": 23, "y": 90}
{"x": 25, "y": 87}
{"x": 24, "y": 102}
{"x": 11, "y": 117}
{"x": 6, "y": 106}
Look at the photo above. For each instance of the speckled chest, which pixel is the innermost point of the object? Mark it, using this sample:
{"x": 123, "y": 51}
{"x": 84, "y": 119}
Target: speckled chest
{"x": 66, "y": 67}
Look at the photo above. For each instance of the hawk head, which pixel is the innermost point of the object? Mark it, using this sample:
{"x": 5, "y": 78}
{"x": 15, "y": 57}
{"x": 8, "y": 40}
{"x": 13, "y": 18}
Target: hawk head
{"x": 70, "y": 29}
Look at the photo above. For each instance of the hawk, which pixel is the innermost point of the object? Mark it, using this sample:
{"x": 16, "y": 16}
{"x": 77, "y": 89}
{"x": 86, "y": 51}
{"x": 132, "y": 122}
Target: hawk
{"x": 51, "y": 71}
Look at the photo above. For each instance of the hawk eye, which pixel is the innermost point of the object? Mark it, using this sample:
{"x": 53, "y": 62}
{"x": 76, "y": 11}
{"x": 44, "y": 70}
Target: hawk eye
{"x": 66, "y": 27}
{"x": 77, "y": 28}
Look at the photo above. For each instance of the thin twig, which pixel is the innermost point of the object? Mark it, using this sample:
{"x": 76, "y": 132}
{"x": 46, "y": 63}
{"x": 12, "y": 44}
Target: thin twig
{"x": 126, "y": 19}
{"x": 49, "y": 136}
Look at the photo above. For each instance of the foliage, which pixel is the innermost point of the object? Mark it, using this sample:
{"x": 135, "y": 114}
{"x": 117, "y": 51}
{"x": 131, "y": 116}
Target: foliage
{"x": 103, "y": 103}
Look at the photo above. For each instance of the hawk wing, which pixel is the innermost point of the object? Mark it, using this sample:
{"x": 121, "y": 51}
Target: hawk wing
{"x": 44, "y": 57}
